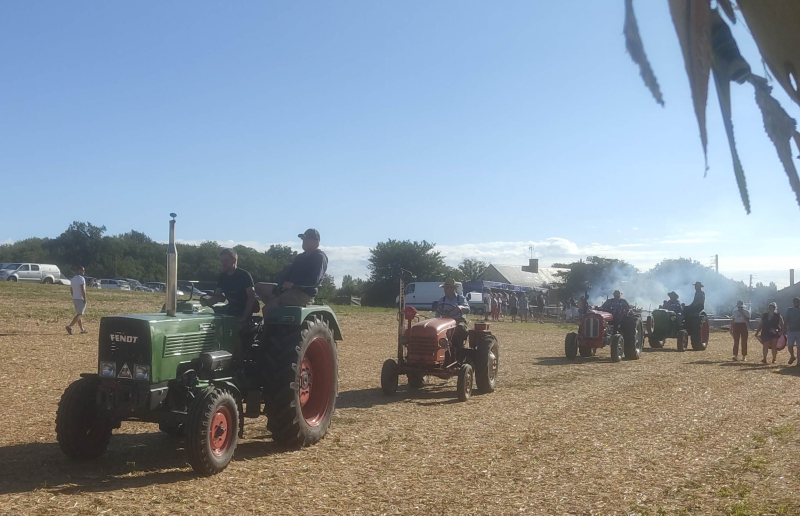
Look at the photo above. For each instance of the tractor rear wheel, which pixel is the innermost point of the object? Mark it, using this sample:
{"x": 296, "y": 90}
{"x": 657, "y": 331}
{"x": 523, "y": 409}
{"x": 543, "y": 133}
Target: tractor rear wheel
{"x": 634, "y": 337}
{"x": 586, "y": 352}
{"x": 464, "y": 385}
{"x": 389, "y": 377}
{"x": 81, "y": 431}
{"x": 571, "y": 345}
{"x": 415, "y": 380}
{"x": 302, "y": 375}
{"x": 654, "y": 342}
{"x": 617, "y": 346}
{"x": 699, "y": 336}
{"x": 212, "y": 431}
{"x": 486, "y": 364}
{"x": 650, "y": 325}
{"x": 683, "y": 340}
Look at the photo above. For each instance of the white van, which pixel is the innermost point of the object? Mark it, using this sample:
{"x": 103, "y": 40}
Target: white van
{"x": 422, "y": 294}
{"x": 475, "y": 300}
{"x": 38, "y": 272}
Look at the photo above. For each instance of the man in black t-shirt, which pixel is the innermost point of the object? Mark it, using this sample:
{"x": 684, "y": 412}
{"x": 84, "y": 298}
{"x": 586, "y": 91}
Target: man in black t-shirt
{"x": 235, "y": 285}
{"x": 297, "y": 283}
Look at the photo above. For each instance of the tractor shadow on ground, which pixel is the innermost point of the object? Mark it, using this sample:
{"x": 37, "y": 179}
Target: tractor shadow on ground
{"x": 788, "y": 370}
{"x": 557, "y": 361}
{"x": 132, "y": 460}
{"x": 431, "y": 394}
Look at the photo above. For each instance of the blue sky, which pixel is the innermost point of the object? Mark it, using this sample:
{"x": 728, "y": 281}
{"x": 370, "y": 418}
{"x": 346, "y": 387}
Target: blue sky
{"x": 483, "y": 127}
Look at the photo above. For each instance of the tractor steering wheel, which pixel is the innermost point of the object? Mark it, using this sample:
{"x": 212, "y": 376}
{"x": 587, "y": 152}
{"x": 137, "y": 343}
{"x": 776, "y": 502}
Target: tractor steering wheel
{"x": 440, "y": 311}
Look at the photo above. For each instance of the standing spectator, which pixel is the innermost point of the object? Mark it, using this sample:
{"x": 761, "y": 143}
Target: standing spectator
{"x": 540, "y": 302}
{"x": 523, "y": 307}
{"x": 78, "y": 290}
{"x": 770, "y": 328}
{"x": 513, "y": 304}
{"x": 495, "y": 306}
{"x": 503, "y": 304}
{"x": 487, "y": 304}
{"x": 792, "y": 322}
{"x": 739, "y": 330}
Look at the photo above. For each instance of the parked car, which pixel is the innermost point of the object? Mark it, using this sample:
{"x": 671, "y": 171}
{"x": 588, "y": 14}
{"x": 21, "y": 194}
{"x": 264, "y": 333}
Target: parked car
{"x": 142, "y": 288}
{"x": 160, "y": 287}
{"x": 92, "y": 282}
{"x": 475, "y": 300}
{"x": 114, "y": 284}
{"x": 422, "y": 294}
{"x": 38, "y": 272}
{"x": 132, "y": 282}
{"x": 186, "y": 289}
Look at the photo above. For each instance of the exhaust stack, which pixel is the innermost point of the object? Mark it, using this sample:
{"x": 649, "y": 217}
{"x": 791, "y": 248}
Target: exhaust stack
{"x": 171, "y": 304}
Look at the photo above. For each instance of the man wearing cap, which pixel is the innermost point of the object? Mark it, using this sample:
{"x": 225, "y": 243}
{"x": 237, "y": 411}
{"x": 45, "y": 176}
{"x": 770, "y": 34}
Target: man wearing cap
{"x": 698, "y": 303}
{"x": 792, "y": 322}
{"x": 297, "y": 283}
{"x": 455, "y": 306}
{"x": 673, "y": 304}
{"x": 617, "y": 307}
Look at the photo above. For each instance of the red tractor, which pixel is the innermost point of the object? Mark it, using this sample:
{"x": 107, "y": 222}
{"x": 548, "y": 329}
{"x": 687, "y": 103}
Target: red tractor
{"x": 425, "y": 348}
{"x": 597, "y": 330}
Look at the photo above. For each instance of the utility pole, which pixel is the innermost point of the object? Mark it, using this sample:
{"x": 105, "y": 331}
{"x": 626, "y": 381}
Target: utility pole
{"x": 716, "y": 263}
{"x": 530, "y": 248}
{"x": 750, "y": 288}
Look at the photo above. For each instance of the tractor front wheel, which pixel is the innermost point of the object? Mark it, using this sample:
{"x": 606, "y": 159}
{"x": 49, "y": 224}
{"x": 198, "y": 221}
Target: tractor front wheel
{"x": 586, "y": 352}
{"x": 212, "y": 431}
{"x": 654, "y": 342}
{"x": 486, "y": 364}
{"x": 81, "y": 431}
{"x": 464, "y": 385}
{"x": 389, "y": 377}
{"x": 303, "y": 376}
{"x": 571, "y": 345}
{"x": 634, "y": 338}
{"x": 617, "y": 346}
{"x": 683, "y": 340}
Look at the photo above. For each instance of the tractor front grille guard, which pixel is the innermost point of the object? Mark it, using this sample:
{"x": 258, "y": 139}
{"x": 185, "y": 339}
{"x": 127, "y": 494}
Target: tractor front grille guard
{"x": 591, "y": 328}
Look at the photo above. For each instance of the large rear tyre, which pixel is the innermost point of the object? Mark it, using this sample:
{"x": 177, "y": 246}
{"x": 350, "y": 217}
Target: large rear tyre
{"x": 699, "y": 336}
{"x": 654, "y": 342}
{"x": 586, "y": 352}
{"x": 617, "y": 346}
{"x": 212, "y": 431}
{"x": 486, "y": 364}
{"x": 415, "y": 380}
{"x": 683, "y": 340}
{"x": 464, "y": 385}
{"x": 633, "y": 334}
{"x": 650, "y": 325}
{"x": 389, "y": 377}
{"x": 571, "y": 345}
{"x": 81, "y": 431}
{"x": 302, "y": 375}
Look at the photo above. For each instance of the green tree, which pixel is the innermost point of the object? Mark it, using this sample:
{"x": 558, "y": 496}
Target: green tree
{"x": 471, "y": 269}
{"x": 388, "y": 259}
{"x": 589, "y": 273}
{"x": 351, "y": 286}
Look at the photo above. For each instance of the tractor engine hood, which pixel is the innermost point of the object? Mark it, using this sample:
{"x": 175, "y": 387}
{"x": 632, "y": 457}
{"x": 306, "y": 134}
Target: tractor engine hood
{"x": 607, "y": 317}
{"x": 431, "y": 327}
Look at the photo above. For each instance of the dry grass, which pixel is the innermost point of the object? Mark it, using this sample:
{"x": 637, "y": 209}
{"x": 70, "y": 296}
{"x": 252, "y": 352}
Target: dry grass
{"x": 689, "y": 433}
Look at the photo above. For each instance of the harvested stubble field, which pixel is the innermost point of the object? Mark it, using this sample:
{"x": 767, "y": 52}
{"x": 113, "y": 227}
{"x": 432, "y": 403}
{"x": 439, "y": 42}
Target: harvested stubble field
{"x": 690, "y": 433}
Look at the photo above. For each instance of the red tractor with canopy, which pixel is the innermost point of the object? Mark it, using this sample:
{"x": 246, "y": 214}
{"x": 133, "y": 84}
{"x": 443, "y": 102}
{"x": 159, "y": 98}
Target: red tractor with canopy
{"x": 425, "y": 347}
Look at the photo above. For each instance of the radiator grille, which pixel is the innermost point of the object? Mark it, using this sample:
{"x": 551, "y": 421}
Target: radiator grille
{"x": 422, "y": 349}
{"x": 189, "y": 343}
{"x": 591, "y": 328}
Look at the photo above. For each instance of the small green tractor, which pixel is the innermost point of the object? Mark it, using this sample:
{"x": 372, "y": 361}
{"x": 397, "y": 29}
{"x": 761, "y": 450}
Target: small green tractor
{"x": 665, "y": 324}
{"x": 194, "y": 373}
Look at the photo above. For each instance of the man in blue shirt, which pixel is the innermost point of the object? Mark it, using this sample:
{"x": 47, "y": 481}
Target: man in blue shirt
{"x": 297, "y": 283}
{"x": 673, "y": 304}
{"x": 454, "y": 306}
{"x": 617, "y": 307}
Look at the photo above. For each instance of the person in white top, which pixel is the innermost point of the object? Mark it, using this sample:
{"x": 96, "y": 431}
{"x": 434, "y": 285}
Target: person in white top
{"x": 740, "y": 330}
{"x": 78, "y": 289}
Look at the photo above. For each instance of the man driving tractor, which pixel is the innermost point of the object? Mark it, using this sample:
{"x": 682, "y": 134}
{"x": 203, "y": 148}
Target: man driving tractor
{"x": 235, "y": 285}
{"x": 617, "y": 307}
{"x": 673, "y": 304}
{"x": 297, "y": 283}
{"x": 454, "y": 306}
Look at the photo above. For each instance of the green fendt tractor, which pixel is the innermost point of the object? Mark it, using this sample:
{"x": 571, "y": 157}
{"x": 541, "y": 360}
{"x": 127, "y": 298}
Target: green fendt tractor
{"x": 666, "y": 324}
{"x": 193, "y": 372}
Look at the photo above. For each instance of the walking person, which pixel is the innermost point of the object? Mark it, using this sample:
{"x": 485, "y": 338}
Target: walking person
{"x": 513, "y": 304}
{"x": 740, "y": 330}
{"x": 770, "y": 328}
{"x": 792, "y": 322}
{"x": 78, "y": 290}
{"x": 523, "y": 307}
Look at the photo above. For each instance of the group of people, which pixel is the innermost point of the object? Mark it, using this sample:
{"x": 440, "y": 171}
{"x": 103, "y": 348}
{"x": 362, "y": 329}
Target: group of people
{"x": 498, "y": 304}
{"x": 771, "y": 328}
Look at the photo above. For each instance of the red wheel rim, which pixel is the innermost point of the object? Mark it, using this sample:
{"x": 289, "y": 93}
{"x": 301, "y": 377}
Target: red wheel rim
{"x": 220, "y": 431}
{"x": 316, "y": 381}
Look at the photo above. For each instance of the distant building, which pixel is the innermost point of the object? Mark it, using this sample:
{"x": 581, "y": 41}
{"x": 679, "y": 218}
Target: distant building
{"x": 544, "y": 278}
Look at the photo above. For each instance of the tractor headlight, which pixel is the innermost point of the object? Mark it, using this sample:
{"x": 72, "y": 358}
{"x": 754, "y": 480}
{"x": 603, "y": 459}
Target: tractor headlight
{"x": 443, "y": 343}
{"x": 108, "y": 369}
{"x": 141, "y": 372}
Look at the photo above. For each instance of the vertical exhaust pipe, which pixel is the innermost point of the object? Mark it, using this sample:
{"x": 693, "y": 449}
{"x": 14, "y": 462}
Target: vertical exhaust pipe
{"x": 171, "y": 304}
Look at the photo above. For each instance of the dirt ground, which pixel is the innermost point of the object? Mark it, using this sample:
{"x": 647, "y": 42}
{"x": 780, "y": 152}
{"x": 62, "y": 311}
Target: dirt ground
{"x": 672, "y": 433}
